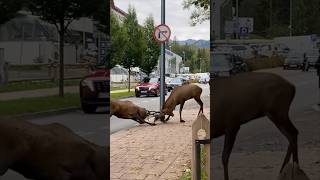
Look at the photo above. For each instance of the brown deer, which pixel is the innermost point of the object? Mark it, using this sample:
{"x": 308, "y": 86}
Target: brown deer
{"x": 49, "y": 152}
{"x": 244, "y": 97}
{"x": 128, "y": 110}
{"x": 180, "y": 95}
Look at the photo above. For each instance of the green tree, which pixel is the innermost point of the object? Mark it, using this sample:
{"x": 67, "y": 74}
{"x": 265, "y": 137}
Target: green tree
{"x": 61, "y": 13}
{"x": 118, "y": 41}
{"x": 135, "y": 46}
{"x": 153, "y": 48}
{"x": 9, "y": 9}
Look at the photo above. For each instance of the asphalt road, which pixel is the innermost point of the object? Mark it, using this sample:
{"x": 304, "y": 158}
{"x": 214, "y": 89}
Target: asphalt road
{"x": 257, "y": 135}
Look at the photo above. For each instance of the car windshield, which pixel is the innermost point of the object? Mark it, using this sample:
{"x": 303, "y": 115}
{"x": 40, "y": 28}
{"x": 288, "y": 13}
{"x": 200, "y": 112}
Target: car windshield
{"x": 176, "y": 80}
{"x": 220, "y": 60}
{"x": 154, "y": 80}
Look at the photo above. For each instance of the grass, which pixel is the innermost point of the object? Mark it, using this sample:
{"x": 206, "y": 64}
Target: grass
{"x": 188, "y": 174}
{"x": 121, "y": 95}
{"x": 38, "y": 104}
{"x": 113, "y": 88}
{"x": 33, "y": 85}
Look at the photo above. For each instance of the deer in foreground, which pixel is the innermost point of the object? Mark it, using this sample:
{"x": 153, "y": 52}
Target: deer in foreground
{"x": 128, "y": 110}
{"x": 49, "y": 152}
{"x": 241, "y": 98}
{"x": 180, "y": 95}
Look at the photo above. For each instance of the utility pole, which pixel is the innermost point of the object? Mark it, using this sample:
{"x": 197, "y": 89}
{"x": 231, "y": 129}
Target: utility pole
{"x": 270, "y": 18}
{"x": 237, "y": 18}
{"x": 163, "y": 59}
{"x": 290, "y": 27}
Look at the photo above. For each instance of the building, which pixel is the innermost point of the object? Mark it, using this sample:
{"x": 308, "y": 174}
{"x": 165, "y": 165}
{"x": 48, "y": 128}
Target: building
{"x": 120, "y": 14}
{"x": 26, "y": 39}
{"x": 172, "y": 63}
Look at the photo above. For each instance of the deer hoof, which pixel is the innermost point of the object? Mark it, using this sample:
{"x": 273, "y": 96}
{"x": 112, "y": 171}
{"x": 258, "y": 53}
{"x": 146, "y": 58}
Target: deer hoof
{"x": 182, "y": 121}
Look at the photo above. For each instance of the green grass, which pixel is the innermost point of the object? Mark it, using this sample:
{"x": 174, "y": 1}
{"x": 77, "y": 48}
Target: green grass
{"x": 33, "y": 85}
{"x": 113, "y": 88}
{"x": 38, "y": 104}
{"x": 121, "y": 95}
{"x": 188, "y": 175}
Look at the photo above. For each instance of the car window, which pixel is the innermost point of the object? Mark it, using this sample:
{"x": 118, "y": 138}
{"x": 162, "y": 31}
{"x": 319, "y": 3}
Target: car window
{"x": 154, "y": 80}
{"x": 176, "y": 80}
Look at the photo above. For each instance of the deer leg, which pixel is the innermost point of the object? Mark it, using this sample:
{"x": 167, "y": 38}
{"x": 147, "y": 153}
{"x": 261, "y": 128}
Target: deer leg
{"x": 140, "y": 120}
{"x": 230, "y": 137}
{"x": 198, "y": 99}
{"x": 167, "y": 118}
{"x": 181, "y": 107}
{"x": 291, "y": 133}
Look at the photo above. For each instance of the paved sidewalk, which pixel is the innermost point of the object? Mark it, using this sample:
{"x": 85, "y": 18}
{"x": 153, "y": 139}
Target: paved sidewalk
{"x": 36, "y": 93}
{"x": 153, "y": 152}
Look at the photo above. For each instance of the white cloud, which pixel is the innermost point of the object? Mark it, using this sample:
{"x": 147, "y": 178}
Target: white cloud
{"x": 177, "y": 18}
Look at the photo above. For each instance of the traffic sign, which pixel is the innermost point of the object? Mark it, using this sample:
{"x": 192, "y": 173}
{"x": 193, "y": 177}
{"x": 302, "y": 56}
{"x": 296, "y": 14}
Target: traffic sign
{"x": 244, "y": 30}
{"x": 162, "y": 33}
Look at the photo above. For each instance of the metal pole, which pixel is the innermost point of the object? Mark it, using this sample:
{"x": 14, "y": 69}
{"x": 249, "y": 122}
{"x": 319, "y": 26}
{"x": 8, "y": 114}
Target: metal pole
{"x": 163, "y": 58}
{"x": 290, "y": 18}
{"x": 213, "y": 15}
{"x": 237, "y": 16}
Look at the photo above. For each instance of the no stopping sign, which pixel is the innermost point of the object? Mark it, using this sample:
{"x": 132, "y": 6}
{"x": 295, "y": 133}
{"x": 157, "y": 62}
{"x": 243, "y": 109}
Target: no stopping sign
{"x": 162, "y": 33}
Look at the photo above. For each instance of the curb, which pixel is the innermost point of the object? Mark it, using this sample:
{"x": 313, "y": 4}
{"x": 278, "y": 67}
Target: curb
{"x": 316, "y": 108}
{"x": 29, "y": 116}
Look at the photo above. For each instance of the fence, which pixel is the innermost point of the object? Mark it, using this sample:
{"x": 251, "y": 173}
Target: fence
{"x": 47, "y": 72}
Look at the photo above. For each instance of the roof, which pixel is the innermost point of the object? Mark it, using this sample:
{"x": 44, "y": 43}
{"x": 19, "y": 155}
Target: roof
{"x": 115, "y": 8}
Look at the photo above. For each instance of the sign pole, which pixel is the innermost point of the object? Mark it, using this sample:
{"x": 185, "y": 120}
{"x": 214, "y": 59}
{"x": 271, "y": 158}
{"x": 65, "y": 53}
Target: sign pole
{"x": 162, "y": 61}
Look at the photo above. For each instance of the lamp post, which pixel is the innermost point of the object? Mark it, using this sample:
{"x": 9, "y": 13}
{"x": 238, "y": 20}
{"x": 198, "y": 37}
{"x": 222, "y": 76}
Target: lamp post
{"x": 290, "y": 26}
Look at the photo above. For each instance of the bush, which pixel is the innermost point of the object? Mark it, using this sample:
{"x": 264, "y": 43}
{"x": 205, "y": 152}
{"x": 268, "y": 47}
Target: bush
{"x": 264, "y": 62}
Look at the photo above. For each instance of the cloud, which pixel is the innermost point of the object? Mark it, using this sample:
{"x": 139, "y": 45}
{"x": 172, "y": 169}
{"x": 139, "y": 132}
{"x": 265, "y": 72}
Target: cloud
{"x": 177, "y": 18}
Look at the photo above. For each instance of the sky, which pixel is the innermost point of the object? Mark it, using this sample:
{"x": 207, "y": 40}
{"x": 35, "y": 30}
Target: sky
{"x": 177, "y": 18}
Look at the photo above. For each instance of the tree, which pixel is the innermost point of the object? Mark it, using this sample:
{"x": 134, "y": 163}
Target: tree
{"x": 135, "y": 46}
{"x": 118, "y": 41}
{"x": 201, "y": 12}
{"x": 153, "y": 48}
{"x": 61, "y": 13}
{"x": 9, "y": 9}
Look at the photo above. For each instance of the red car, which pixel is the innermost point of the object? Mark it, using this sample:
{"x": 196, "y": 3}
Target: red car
{"x": 149, "y": 87}
{"x": 95, "y": 90}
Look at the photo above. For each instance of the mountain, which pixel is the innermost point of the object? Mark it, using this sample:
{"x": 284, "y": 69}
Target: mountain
{"x": 199, "y": 43}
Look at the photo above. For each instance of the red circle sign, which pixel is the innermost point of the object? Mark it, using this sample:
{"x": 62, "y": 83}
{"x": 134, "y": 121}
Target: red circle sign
{"x": 162, "y": 33}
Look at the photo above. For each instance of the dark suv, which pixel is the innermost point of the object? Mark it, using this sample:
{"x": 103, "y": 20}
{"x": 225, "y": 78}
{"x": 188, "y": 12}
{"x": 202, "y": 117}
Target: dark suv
{"x": 95, "y": 90}
{"x": 226, "y": 64}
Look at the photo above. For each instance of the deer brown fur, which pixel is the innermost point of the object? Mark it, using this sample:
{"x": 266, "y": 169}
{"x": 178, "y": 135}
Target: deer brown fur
{"x": 128, "y": 110}
{"x": 49, "y": 152}
{"x": 241, "y": 98}
{"x": 180, "y": 95}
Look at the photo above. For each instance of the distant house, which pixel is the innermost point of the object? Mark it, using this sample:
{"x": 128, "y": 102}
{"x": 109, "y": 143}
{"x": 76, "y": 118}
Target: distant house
{"x": 172, "y": 63}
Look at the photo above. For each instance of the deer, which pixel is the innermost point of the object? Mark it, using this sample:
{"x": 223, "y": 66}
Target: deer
{"x": 241, "y": 98}
{"x": 49, "y": 152}
{"x": 180, "y": 95}
{"x": 128, "y": 110}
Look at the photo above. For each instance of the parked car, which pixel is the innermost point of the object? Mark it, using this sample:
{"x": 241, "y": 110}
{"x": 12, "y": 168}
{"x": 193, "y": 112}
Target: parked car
{"x": 94, "y": 91}
{"x": 293, "y": 61}
{"x": 204, "y": 79}
{"x": 226, "y": 64}
{"x": 175, "y": 82}
{"x": 149, "y": 87}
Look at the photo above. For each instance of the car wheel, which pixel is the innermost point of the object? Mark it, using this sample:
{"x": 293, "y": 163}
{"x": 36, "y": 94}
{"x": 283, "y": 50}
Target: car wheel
{"x": 88, "y": 108}
{"x": 158, "y": 93}
{"x": 137, "y": 95}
